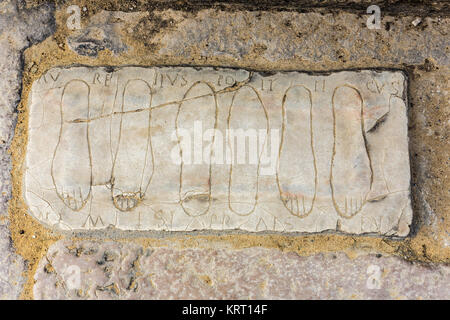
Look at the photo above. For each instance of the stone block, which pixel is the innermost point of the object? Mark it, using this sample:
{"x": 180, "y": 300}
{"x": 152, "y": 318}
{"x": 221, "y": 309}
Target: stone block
{"x": 182, "y": 149}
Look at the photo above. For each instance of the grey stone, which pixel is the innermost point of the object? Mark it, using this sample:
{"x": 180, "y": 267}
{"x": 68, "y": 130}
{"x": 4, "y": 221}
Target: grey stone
{"x": 103, "y": 32}
{"x": 11, "y": 267}
{"x": 281, "y": 36}
{"x": 291, "y": 152}
{"x": 269, "y": 40}
{"x": 112, "y": 270}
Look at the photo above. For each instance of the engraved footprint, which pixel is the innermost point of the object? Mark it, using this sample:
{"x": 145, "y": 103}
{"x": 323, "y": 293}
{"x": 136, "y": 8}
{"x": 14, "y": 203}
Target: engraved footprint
{"x": 133, "y": 165}
{"x": 247, "y": 116}
{"x": 297, "y": 173}
{"x": 351, "y": 172}
{"x": 195, "y": 178}
{"x": 71, "y": 167}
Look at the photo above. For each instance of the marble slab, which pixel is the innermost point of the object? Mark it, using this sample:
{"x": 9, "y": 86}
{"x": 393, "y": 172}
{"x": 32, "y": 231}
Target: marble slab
{"x": 182, "y": 149}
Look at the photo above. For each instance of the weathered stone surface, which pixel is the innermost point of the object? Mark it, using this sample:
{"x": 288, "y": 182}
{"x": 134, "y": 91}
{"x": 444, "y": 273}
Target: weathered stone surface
{"x": 183, "y": 149}
{"x": 306, "y": 37}
{"x": 103, "y": 33}
{"x": 9, "y": 288}
{"x": 321, "y": 39}
{"x": 11, "y": 268}
{"x": 17, "y": 31}
{"x": 111, "y": 270}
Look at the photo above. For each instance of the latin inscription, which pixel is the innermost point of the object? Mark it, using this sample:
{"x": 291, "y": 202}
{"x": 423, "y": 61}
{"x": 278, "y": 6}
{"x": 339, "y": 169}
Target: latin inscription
{"x": 182, "y": 149}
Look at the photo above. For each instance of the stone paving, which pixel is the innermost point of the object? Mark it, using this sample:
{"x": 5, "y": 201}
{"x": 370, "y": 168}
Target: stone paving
{"x": 116, "y": 264}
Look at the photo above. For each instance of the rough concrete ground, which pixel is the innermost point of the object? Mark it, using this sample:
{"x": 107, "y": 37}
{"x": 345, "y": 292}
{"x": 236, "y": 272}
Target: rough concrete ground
{"x": 333, "y": 36}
